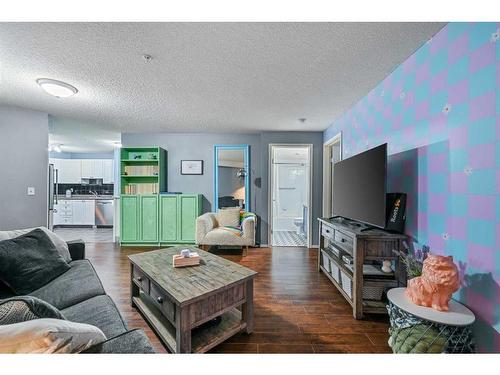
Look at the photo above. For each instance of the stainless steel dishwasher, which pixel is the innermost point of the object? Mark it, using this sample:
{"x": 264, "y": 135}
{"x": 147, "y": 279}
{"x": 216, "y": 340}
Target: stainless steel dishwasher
{"x": 104, "y": 213}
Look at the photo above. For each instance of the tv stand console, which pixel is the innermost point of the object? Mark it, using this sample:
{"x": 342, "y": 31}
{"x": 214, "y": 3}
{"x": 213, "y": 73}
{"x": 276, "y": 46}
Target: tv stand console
{"x": 351, "y": 255}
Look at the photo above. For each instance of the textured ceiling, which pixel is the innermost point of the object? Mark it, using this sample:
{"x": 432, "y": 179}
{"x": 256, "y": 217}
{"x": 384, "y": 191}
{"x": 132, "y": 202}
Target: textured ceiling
{"x": 204, "y": 77}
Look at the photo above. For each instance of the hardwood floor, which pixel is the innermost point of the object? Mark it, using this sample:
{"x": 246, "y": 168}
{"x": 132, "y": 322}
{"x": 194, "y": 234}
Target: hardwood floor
{"x": 297, "y": 309}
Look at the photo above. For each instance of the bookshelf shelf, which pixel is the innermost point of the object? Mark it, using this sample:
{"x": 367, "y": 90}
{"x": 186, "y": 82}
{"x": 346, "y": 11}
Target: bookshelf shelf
{"x": 143, "y": 170}
{"x": 139, "y": 160}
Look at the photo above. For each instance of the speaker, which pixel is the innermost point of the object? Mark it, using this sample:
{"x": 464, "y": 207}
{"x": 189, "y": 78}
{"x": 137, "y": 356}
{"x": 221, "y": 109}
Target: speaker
{"x": 396, "y": 212}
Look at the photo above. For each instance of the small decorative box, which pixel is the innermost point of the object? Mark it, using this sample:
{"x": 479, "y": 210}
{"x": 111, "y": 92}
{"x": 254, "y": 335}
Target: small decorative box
{"x": 186, "y": 258}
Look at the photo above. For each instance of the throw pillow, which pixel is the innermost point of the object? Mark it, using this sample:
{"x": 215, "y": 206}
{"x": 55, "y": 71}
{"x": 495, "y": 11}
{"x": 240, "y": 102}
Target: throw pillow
{"x": 29, "y": 262}
{"x": 23, "y": 308}
{"x": 59, "y": 243}
{"x": 48, "y": 336}
{"x": 229, "y": 217}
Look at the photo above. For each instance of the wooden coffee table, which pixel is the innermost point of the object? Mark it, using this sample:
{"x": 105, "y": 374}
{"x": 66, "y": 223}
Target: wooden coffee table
{"x": 180, "y": 303}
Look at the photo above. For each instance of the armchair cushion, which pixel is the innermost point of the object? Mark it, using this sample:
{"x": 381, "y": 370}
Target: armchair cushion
{"x": 229, "y": 217}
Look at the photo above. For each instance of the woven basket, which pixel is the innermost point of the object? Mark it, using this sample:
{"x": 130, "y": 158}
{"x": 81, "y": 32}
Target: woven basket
{"x": 326, "y": 261}
{"x": 346, "y": 283}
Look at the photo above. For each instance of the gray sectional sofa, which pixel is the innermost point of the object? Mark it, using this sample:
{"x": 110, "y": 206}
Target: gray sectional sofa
{"x": 79, "y": 295}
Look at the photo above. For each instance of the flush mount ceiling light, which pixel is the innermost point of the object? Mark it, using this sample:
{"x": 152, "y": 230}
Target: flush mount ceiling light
{"x": 56, "y": 88}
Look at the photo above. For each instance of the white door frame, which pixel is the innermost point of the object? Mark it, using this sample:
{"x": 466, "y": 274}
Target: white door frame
{"x": 327, "y": 173}
{"x": 271, "y": 184}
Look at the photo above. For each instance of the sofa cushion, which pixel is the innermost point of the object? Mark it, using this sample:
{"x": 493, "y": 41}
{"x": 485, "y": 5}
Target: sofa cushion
{"x": 22, "y": 308}
{"x": 5, "y": 292}
{"x": 99, "y": 311}
{"x": 30, "y": 261}
{"x": 59, "y": 243}
{"x": 48, "y": 336}
{"x": 77, "y": 284}
{"x": 131, "y": 342}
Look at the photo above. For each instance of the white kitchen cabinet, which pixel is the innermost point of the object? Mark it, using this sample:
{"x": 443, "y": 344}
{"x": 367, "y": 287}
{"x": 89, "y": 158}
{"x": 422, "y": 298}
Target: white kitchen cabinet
{"x": 74, "y": 212}
{"x": 63, "y": 212}
{"x": 83, "y": 212}
{"x": 70, "y": 171}
{"x": 108, "y": 172}
{"x": 92, "y": 168}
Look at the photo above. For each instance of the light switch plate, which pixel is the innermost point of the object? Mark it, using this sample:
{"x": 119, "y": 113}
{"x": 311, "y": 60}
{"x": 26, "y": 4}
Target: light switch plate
{"x": 31, "y": 190}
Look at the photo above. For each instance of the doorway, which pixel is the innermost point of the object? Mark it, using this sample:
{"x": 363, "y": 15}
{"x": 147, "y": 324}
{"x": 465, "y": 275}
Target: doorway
{"x": 332, "y": 153}
{"x": 290, "y": 194}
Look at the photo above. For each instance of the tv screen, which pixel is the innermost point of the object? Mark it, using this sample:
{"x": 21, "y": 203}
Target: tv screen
{"x": 359, "y": 187}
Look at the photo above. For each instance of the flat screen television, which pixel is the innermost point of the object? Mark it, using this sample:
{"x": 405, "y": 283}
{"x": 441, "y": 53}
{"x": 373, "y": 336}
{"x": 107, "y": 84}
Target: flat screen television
{"x": 359, "y": 187}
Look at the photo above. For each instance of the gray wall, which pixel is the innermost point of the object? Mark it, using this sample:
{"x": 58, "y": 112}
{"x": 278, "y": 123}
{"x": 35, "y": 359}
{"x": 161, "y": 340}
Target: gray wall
{"x": 201, "y": 147}
{"x": 24, "y": 138}
{"x": 314, "y": 138}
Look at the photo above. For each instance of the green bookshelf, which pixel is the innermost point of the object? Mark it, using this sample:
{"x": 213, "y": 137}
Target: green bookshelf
{"x": 143, "y": 173}
{"x": 143, "y": 170}
{"x": 148, "y": 217}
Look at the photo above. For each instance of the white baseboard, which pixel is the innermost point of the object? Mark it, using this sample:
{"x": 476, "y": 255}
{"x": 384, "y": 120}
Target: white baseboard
{"x": 314, "y": 247}
{"x": 264, "y": 245}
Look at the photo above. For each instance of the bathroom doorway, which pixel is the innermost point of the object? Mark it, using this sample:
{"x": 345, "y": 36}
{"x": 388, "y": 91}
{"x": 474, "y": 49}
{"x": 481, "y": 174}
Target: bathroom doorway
{"x": 290, "y": 194}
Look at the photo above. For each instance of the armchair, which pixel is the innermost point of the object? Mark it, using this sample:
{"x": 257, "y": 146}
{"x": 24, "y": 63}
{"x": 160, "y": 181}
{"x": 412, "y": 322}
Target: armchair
{"x": 210, "y": 233}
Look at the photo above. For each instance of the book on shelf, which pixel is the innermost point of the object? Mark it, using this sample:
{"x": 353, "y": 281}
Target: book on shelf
{"x": 145, "y": 188}
{"x": 141, "y": 170}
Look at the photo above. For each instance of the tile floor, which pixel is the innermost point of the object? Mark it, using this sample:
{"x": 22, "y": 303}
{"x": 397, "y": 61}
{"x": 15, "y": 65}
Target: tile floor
{"x": 89, "y": 235}
{"x": 289, "y": 238}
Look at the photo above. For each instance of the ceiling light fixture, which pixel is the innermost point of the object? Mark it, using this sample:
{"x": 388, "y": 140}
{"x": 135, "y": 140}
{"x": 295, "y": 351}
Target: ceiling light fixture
{"x": 56, "y": 88}
{"x": 55, "y": 147}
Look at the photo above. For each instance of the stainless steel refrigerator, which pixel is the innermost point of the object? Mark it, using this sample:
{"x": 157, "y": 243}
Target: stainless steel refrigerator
{"x": 53, "y": 187}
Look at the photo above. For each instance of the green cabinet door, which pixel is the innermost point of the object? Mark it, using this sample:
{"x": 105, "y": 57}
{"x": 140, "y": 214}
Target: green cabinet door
{"x": 129, "y": 209}
{"x": 189, "y": 210}
{"x": 148, "y": 217}
{"x": 168, "y": 218}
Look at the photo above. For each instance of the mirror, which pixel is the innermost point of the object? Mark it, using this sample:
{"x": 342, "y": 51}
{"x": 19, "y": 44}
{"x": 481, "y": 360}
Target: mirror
{"x": 232, "y": 176}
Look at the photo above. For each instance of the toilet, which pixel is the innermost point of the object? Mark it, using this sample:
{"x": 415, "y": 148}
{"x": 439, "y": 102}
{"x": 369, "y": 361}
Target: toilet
{"x": 299, "y": 223}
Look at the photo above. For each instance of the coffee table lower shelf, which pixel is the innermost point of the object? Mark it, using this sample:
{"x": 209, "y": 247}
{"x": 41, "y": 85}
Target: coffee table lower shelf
{"x": 202, "y": 339}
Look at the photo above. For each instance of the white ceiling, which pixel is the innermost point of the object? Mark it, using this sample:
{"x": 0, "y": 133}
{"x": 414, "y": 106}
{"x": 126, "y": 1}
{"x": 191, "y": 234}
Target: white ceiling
{"x": 204, "y": 77}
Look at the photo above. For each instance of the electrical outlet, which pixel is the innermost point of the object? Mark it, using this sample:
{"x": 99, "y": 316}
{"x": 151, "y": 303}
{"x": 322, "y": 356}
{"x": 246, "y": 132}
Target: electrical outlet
{"x": 31, "y": 190}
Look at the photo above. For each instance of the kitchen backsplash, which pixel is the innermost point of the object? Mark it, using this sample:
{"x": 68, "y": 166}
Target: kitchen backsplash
{"x": 105, "y": 189}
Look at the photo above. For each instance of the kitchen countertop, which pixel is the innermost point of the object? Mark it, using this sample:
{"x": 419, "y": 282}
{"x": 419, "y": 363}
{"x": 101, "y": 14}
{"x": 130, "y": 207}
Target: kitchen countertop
{"x": 85, "y": 197}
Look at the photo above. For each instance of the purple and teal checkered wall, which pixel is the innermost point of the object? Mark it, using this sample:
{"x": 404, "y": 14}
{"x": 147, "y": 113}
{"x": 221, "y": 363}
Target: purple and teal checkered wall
{"x": 439, "y": 112}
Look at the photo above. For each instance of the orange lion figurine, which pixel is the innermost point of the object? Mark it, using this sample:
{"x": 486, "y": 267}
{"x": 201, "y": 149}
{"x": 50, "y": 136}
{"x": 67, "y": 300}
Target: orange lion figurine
{"x": 439, "y": 280}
